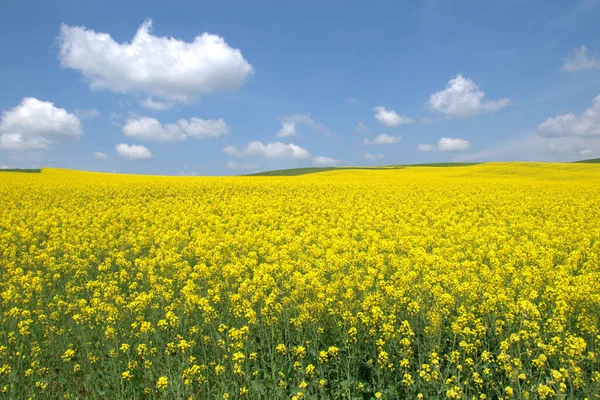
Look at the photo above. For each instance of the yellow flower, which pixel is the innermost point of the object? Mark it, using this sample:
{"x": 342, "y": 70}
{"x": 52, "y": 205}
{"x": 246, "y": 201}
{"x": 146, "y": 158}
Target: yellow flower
{"x": 332, "y": 351}
{"x": 68, "y": 355}
{"x": 508, "y": 392}
{"x": 162, "y": 383}
{"x": 281, "y": 348}
{"x": 299, "y": 351}
{"x": 310, "y": 370}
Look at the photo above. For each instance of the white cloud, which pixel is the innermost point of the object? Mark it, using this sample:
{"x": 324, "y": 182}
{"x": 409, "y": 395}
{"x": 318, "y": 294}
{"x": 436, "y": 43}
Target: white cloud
{"x": 372, "y": 157}
{"x": 276, "y": 150}
{"x": 446, "y": 144}
{"x": 34, "y": 124}
{"x": 427, "y": 120}
{"x": 427, "y": 147}
{"x": 232, "y": 151}
{"x": 533, "y": 147}
{"x": 40, "y": 118}
{"x": 588, "y": 124}
{"x": 155, "y": 105}
{"x": 453, "y": 144}
{"x": 100, "y": 156}
{"x": 325, "y": 161}
{"x": 146, "y": 128}
{"x": 390, "y": 118}
{"x": 462, "y": 98}
{"x": 198, "y": 128}
{"x": 240, "y": 165}
{"x": 288, "y": 129}
{"x": 580, "y": 60}
{"x": 383, "y": 138}
{"x": 360, "y": 127}
{"x": 165, "y": 67}
{"x": 17, "y": 142}
{"x": 86, "y": 113}
{"x": 305, "y": 119}
{"x": 133, "y": 152}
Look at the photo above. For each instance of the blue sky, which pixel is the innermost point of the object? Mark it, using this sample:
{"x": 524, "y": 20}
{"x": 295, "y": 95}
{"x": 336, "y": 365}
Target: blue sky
{"x": 226, "y": 88}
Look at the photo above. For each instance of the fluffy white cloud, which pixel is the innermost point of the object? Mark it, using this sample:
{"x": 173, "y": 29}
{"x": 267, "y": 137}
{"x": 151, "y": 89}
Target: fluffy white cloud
{"x": 305, "y": 119}
{"x": 390, "y": 118}
{"x": 383, "y": 138}
{"x": 133, "y": 152}
{"x": 453, "y": 144}
{"x": 462, "y": 98}
{"x": 100, "y": 156}
{"x": 160, "y": 66}
{"x": 533, "y": 147}
{"x": 580, "y": 60}
{"x": 325, "y": 161}
{"x": 40, "y": 118}
{"x": 232, "y": 151}
{"x": 155, "y": 105}
{"x": 198, "y": 128}
{"x": 18, "y": 142}
{"x": 276, "y": 150}
{"x": 288, "y": 129}
{"x": 240, "y": 165}
{"x": 87, "y": 114}
{"x": 372, "y": 157}
{"x": 35, "y": 124}
{"x": 446, "y": 144}
{"x": 146, "y": 128}
{"x": 427, "y": 147}
{"x": 588, "y": 124}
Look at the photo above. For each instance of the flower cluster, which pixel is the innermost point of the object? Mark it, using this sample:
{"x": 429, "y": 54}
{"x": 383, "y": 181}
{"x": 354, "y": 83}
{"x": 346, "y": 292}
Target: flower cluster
{"x": 466, "y": 282}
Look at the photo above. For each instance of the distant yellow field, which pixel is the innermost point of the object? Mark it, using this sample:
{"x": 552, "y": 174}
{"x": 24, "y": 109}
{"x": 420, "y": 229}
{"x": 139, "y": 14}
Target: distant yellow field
{"x": 465, "y": 282}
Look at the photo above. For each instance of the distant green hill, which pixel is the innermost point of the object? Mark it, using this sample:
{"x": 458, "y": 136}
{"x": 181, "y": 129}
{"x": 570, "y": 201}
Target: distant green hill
{"x": 590, "y": 161}
{"x": 312, "y": 170}
{"x": 31, "y": 171}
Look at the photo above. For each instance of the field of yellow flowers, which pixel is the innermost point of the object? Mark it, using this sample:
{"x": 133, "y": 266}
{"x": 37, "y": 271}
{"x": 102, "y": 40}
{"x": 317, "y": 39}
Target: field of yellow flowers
{"x": 475, "y": 282}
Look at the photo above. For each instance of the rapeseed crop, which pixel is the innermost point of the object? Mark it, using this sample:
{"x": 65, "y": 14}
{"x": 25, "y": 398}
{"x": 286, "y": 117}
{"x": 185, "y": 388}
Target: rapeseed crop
{"x": 476, "y": 282}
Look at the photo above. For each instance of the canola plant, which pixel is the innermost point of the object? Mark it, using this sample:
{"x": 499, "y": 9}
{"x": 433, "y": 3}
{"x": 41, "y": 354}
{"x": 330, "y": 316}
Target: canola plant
{"x": 475, "y": 282}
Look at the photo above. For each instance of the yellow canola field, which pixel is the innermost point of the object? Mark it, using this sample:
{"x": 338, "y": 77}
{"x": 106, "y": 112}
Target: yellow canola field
{"x": 476, "y": 282}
